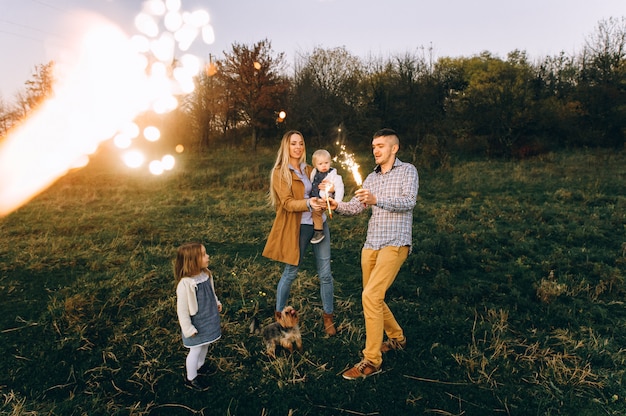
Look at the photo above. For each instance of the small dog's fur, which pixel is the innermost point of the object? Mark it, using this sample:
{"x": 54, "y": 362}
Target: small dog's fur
{"x": 284, "y": 333}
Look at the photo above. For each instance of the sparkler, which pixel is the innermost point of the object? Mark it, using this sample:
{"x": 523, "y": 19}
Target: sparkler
{"x": 346, "y": 160}
{"x": 109, "y": 80}
{"x": 327, "y": 190}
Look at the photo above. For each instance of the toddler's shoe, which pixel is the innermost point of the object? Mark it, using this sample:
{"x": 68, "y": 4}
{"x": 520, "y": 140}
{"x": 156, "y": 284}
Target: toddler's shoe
{"x": 317, "y": 237}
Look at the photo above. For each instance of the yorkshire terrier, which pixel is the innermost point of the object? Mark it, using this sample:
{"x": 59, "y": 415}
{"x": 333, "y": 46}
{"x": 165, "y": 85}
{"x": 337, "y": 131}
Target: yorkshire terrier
{"x": 284, "y": 333}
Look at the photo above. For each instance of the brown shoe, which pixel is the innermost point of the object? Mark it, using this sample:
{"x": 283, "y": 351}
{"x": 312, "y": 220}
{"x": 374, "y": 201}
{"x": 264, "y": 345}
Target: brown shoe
{"x": 361, "y": 370}
{"x": 329, "y": 326}
{"x": 393, "y": 344}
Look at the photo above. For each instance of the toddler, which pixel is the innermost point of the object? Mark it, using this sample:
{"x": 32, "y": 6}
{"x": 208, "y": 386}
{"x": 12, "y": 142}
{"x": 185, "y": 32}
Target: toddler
{"x": 331, "y": 186}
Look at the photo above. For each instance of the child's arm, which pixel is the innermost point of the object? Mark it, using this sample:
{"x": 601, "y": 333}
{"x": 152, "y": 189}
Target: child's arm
{"x": 339, "y": 188}
{"x": 183, "y": 293}
{"x": 219, "y": 304}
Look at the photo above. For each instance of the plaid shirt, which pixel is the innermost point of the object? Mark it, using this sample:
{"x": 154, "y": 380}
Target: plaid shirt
{"x": 391, "y": 223}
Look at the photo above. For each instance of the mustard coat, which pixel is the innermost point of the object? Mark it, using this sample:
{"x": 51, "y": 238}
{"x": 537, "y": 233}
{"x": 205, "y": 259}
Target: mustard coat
{"x": 283, "y": 242}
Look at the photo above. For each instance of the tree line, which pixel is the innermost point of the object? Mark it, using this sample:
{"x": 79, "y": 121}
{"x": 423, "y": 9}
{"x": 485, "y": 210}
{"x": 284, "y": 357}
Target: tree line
{"x": 480, "y": 105}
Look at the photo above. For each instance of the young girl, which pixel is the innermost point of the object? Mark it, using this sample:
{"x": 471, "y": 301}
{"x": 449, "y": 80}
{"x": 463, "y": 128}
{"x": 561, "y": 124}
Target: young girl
{"x": 197, "y": 308}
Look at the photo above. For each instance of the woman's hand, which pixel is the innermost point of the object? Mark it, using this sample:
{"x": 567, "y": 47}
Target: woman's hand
{"x": 317, "y": 204}
{"x": 326, "y": 186}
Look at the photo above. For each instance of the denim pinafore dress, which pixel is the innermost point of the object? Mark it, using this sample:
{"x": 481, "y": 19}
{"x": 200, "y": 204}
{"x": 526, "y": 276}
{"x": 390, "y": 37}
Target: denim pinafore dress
{"x": 207, "y": 320}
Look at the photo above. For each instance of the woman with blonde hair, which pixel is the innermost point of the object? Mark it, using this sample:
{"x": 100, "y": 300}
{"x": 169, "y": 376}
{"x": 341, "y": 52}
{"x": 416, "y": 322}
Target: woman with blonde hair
{"x": 290, "y": 236}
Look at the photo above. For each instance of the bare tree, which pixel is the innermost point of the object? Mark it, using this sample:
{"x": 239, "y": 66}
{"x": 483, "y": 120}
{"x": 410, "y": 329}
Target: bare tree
{"x": 601, "y": 90}
{"x": 605, "y": 50}
{"x": 41, "y": 86}
{"x": 327, "y": 92}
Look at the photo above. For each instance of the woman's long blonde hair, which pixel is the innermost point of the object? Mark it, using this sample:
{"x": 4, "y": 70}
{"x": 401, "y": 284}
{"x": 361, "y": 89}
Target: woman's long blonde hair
{"x": 282, "y": 164}
{"x": 188, "y": 261}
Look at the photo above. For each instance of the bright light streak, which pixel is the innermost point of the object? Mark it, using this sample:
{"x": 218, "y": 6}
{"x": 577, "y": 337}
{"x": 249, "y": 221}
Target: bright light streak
{"x": 98, "y": 93}
{"x": 81, "y": 162}
{"x": 131, "y": 130}
{"x": 101, "y": 87}
{"x": 141, "y": 43}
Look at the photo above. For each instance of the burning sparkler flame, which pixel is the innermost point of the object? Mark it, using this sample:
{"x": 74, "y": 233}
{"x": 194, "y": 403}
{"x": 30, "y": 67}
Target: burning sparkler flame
{"x": 110, "y": 81}
{"x": 346, "y": 160}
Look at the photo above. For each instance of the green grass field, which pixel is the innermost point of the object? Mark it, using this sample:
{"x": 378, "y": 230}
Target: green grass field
{"x": 512, "y": 301}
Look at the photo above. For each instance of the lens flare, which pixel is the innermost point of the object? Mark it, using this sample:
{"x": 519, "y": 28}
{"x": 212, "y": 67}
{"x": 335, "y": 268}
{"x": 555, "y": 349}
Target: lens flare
{"x": 156, "y": 167}
{"x": 151, "y": 133}
{"x": 122, "y": 141}
{"x": 102, "y": 85}
{"x": 168, "y": 162}
{"x": 133, "y": 158}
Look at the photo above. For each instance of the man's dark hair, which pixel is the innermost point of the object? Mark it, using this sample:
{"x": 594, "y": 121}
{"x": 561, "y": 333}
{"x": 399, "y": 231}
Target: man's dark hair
{"x": 385, "y": 132}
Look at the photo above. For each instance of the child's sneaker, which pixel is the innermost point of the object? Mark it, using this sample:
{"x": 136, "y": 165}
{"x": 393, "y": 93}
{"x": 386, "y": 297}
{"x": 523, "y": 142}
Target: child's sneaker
{"x": 205, "y": 369}
{"x": 196, "y": 384}
{"x": 317, "y": 237}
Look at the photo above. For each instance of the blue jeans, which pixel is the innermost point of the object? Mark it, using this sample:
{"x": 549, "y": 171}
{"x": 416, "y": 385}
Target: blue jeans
{"x": 322, "y": 257}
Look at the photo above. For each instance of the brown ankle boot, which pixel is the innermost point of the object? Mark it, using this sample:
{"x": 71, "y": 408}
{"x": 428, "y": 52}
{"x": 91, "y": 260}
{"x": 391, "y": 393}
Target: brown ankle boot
{"x": 329, "y": 326}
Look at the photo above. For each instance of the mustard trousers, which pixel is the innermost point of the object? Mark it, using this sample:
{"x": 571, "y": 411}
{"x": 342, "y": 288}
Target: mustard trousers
{"x": 380, "y": 268}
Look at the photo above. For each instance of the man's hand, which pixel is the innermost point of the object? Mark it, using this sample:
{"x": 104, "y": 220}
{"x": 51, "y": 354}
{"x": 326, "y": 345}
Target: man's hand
{"x": 366, "y": 197}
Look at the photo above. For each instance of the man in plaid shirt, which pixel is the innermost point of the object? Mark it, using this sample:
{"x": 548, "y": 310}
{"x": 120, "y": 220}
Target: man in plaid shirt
{"x": 390, "y": 190}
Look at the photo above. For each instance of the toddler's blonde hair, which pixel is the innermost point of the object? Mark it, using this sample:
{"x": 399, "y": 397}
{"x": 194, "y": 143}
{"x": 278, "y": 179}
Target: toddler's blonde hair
{"x": 320, "y": 154}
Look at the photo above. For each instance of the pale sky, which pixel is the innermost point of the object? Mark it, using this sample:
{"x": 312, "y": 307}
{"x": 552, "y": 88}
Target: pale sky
{"x": 33, "y": 32}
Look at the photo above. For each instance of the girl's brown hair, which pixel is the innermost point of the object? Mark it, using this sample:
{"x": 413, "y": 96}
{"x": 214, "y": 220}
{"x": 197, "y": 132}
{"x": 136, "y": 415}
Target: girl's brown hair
{"x": 188, "y": 261}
